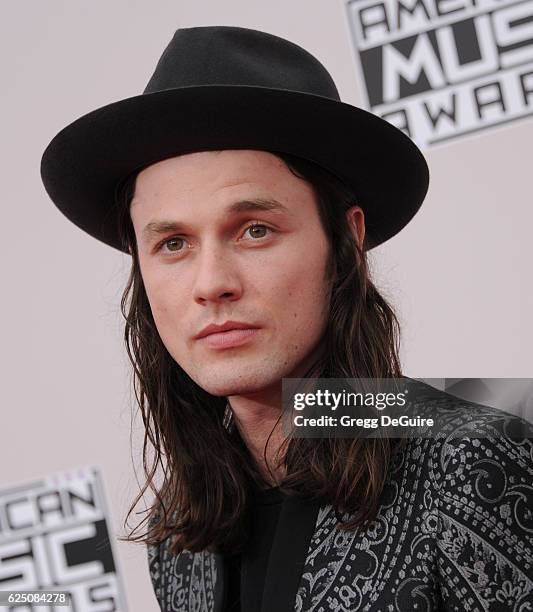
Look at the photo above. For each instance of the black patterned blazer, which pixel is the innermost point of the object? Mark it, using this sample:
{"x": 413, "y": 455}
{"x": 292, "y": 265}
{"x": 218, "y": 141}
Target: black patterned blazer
{"x": 454, "y": 532}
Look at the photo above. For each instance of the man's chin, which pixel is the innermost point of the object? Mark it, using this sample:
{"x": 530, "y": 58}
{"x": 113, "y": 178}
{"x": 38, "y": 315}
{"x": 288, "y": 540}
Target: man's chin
{"x": 229, "y": 389}
{"x": 233, "y": 386}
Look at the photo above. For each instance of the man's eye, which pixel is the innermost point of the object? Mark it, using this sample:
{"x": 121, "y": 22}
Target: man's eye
{"x": 172, "y": 241}
{"x": 259, "y": 226}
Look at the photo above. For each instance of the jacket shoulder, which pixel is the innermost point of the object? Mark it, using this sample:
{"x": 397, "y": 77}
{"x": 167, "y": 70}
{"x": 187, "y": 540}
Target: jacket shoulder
{"x": 482, "y": 463}
{"x": 185, "y": 580}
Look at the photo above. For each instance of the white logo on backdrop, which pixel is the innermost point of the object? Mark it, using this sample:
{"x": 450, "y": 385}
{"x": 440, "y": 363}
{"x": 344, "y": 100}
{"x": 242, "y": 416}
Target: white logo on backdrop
{"x": 441, "y": 69}
{"x": 54, "y": 536}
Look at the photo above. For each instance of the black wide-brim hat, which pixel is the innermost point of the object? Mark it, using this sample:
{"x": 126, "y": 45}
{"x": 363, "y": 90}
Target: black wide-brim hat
{"x": 222, "y": 87}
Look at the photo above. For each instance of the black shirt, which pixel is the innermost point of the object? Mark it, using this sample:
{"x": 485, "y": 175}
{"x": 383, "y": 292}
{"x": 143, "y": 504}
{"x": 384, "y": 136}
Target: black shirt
{"x": 246, "y": 571}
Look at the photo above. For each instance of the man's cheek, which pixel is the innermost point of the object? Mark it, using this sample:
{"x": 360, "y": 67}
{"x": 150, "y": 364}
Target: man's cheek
{"x": 165, "y": 323}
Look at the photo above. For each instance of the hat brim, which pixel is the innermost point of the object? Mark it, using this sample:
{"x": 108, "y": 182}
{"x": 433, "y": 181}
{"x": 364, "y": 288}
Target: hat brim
{"x": 86, "y": 161}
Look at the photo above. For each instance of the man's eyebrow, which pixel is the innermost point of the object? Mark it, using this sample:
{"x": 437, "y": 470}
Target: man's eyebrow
{"x": 155, "y": 228}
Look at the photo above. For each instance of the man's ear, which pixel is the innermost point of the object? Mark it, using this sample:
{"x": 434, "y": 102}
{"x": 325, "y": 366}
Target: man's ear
{"x": 356, "y": 221}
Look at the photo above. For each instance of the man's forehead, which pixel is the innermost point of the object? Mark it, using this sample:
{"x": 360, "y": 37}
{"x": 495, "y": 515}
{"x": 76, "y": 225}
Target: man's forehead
{"x": 244, "y": 180}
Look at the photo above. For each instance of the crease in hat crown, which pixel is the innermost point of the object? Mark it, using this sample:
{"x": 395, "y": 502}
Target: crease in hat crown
{"x": 229, "y": 55}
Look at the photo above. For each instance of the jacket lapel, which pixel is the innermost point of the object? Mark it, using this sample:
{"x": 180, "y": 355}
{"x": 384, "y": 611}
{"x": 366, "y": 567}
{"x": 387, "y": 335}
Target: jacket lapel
{"x": 198, "y": 581}
{"x": 220, "y": 582}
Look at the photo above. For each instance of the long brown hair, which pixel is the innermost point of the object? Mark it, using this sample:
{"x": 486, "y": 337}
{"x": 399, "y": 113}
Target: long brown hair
{"x": 206, "y": 467}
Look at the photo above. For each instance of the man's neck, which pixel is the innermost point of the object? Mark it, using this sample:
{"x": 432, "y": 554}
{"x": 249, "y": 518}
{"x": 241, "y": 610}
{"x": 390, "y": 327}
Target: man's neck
{"x": 258, "y": 414}
{"x": 255, "y": 418}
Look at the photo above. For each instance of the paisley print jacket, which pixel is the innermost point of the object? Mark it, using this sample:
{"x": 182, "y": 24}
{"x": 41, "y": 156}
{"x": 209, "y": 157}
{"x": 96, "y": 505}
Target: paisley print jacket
{"x": 454, "y": 532}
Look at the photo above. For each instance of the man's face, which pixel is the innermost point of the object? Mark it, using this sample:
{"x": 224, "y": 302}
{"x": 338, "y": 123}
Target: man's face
{"x": 214, "y": 266}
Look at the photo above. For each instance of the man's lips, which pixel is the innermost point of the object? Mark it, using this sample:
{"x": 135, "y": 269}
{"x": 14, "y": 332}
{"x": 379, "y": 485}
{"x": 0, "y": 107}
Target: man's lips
{"x": 213, "y": 328}
{"x": 230, "y": 338}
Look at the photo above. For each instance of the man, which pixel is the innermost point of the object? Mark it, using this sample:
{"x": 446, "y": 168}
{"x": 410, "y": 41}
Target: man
{"x": 247, "y": 195}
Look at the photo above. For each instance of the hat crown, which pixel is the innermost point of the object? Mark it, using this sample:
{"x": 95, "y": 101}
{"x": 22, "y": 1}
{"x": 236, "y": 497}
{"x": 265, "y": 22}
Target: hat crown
{"x": 227, "y": 55}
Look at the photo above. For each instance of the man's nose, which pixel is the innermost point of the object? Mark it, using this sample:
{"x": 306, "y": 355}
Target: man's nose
{"x": 216, "y": 277}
